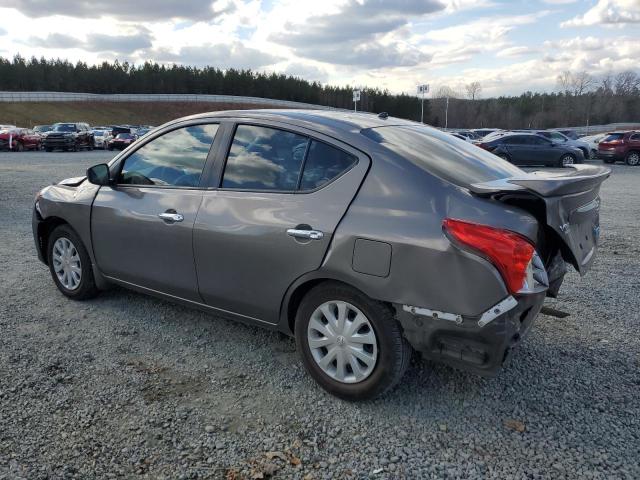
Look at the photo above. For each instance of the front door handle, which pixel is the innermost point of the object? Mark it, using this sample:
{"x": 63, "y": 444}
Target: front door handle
{"x": 171, "y": 217}
{"x": 308, "y": 234}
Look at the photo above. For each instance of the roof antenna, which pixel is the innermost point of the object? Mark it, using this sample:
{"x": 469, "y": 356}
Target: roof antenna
{"x": 383, "y": 115}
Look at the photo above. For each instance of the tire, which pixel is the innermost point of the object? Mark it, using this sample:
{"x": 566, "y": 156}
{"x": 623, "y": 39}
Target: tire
{"x": 593, "y": 154}
{"x": 632, "y": 159}
{"x": 566, "y": 160}
{"x": 390, "y": 350}
{"x": 19, "y": 147}
{"x": 85, "y": 287}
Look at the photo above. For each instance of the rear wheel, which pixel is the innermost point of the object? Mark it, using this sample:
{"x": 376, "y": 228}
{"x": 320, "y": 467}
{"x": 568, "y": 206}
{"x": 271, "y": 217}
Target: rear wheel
{"x": 567, "y": 160}
{"x": 633, "y": 159}
{"x": 19, "y": 147}
{"x": 350, "y": 344}
{"x": 70, "y": 265}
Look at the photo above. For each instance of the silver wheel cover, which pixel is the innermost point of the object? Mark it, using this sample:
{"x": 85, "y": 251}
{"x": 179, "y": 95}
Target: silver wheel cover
{"x": 567, "y": 160}
{"x": 634, "y": 159}
{"x": 342, "y": 342}
{"x": 66, "y": 263}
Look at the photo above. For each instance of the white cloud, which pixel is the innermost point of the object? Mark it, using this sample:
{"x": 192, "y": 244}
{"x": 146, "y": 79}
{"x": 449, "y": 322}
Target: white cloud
{"x": 608, "y": 12}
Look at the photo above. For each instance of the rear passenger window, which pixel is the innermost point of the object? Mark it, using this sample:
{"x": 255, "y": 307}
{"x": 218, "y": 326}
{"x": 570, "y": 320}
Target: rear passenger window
{"x": 263, "y": 158}
{"x": 324, "y": 163}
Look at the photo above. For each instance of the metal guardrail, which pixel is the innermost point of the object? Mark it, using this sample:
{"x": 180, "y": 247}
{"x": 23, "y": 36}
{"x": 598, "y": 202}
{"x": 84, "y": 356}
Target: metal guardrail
{"x": 6, "y": 96}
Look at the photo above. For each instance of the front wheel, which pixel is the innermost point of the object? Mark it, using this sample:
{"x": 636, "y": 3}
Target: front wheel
{"x": 350, "y": 344}
{"x": 633, "y": 159}
{"x": 70, "y": 265}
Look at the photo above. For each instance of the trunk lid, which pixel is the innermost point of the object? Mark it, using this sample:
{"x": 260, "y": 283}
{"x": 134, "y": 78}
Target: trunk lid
{"x": 572, "y": 205}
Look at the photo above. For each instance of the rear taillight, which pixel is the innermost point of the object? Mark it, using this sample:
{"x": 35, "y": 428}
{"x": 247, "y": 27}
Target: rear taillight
{"x": 509, "y": 252}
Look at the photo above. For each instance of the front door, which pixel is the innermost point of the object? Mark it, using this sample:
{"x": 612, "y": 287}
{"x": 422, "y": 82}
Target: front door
{"x": 279, "y": 201}
{"x": 142, "y": 227}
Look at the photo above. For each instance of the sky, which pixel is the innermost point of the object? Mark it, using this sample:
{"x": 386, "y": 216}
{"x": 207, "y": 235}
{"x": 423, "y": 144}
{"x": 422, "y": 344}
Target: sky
{"x": 508, "y": 46}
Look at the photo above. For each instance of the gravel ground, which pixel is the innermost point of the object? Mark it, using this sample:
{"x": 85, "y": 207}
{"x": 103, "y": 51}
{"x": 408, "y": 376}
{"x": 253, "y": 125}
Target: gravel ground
{"x": 130, "y": 386}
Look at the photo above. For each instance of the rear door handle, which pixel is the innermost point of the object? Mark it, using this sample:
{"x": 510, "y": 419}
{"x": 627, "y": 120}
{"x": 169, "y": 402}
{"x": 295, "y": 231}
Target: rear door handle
{"x": 171, "y": 217}
{"x": 308, "y": 234}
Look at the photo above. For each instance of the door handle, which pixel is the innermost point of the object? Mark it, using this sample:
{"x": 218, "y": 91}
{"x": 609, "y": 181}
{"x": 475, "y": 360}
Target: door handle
{"x": 308, "y": 234}
{"x": 171, "y": 217}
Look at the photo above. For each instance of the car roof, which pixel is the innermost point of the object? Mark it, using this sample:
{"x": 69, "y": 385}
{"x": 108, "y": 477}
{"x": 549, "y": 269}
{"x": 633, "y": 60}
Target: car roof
{"x": 337, "y": 120}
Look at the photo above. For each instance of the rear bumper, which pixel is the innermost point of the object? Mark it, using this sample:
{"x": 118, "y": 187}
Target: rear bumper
{"x": 610, "y": 155}
{"x": 467, "y": 345}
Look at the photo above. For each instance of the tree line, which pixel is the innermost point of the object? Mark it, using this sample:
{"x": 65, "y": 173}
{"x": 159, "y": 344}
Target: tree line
{"x": 579, "y": 99}
{"x": 20, "y": 74}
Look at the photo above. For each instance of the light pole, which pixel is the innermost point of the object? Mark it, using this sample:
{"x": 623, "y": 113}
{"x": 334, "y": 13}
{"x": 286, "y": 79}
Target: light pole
{"x": 423, "y": 90}
{"x": 446, "y": 114}
{"x": 356, "y": 99}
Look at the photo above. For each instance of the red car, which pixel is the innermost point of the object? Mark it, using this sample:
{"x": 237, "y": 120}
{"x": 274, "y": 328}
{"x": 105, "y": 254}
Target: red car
{"x": 620, "y": 146}
{"x": 19, "y": 139}
{"x": 122, "y": 141}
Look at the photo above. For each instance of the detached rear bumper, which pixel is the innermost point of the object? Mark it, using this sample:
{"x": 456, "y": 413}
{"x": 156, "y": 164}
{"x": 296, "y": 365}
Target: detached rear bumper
{"x": 463, "y": 343}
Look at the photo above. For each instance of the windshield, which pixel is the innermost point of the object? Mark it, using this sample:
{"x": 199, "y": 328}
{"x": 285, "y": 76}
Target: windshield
{"x": 124, "y": 136}
{"x": 98, "y": 133}
{"x": 42, "y": 128}
{"x": 613, "y": 136}
{"x": 64, "y": 127}
{"x": 441, "y": 154}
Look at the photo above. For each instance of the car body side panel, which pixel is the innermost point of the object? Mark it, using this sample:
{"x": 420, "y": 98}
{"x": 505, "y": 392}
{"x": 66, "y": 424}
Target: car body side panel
{"x": 404, "y": 207}
{"x": 72, "y": 204}
{"x": 246, "y": 260}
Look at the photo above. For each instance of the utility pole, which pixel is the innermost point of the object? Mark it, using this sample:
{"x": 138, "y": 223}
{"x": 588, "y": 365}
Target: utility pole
{"x": 422, "y": 90}
{"x": 356, "y": 99}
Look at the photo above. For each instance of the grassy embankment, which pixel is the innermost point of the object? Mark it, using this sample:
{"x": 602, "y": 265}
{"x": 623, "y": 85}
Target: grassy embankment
{"x": 28, "y": 114}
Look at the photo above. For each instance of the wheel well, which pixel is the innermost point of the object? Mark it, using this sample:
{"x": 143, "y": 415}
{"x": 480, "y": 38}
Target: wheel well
{"x": 299, "y": 293}
{"x": 44, "y": 230}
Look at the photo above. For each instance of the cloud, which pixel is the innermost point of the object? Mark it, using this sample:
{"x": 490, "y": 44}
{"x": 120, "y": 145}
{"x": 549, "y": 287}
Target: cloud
{"x": 608, "y": 12}
{"x": 138, "y": 10}
{"x": 354, "y": 35}
{"x": 233, "y": 55}
{"x": 515, "y": 52}
{"x": 55, "y": 40}
{"x": 96, "y": 42}
{"x": 307, "y": 72}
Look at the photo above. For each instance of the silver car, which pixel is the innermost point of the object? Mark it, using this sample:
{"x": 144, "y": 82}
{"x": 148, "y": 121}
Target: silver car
{"x": 366, "y": 237}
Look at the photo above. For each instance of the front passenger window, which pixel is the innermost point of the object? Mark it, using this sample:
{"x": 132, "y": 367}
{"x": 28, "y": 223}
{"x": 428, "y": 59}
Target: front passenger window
{"x": 174, "y": 159}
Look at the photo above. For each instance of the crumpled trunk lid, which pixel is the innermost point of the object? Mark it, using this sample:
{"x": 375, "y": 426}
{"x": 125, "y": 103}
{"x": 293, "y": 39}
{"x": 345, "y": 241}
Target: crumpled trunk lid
{"x": 572, "y": 205}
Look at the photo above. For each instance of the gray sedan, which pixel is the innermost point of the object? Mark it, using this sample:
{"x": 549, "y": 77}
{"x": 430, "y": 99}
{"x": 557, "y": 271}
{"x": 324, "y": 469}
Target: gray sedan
{"x": 366, "y": 237}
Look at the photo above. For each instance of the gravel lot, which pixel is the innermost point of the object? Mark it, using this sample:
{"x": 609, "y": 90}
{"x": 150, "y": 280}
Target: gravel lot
{"x": 130, "y": 386}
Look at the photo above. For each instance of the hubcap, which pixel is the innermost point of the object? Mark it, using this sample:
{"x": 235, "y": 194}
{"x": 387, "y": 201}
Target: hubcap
{"x": 66, "y": 263}
{"x": 634, "y": 159}
{"x": 568, "y": 160}
{"x": 342, "y": 341}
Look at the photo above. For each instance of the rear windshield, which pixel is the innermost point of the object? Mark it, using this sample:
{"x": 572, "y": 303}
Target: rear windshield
{"x": 613, "y": 136}
{"x": 444, "y": 155}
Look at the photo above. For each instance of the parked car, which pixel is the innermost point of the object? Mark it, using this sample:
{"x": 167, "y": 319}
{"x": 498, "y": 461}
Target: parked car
{"x": 19, "y": 139}
{"x": 593, "y": 141}
{"x": 42, "y": 129}
{"x": 364, "y": 237}
{"x": 101, "y": 138}
{"x": 116, "y": 129}
{"x": 69, "y": 137}
{"x": 572, "y": 134}
{"x": 522, "y": 148}
{"x": 468, "y": 135}
{"x": 620, "y": 146}
{"x": 560, "y": 137}
{"x": 121, "y": 141}
{"x": 483, "y": 132}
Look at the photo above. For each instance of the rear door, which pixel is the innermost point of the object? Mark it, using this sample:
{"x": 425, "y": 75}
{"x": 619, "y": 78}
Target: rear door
{"x": 270, "y": 217}
{"x": 517, "y": 150}
{"x": 142, "y": 226}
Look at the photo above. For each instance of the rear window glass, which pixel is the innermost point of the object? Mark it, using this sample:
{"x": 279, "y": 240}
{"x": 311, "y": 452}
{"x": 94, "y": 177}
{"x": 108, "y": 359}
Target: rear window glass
{"x": 441, "y": 154}
{"x": 613, "y": 136}
{"x": 324, "y": 163}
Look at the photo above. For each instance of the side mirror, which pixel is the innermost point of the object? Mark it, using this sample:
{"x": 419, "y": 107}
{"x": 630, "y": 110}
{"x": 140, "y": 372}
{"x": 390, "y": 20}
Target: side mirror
{"x": 99, "y": 174}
